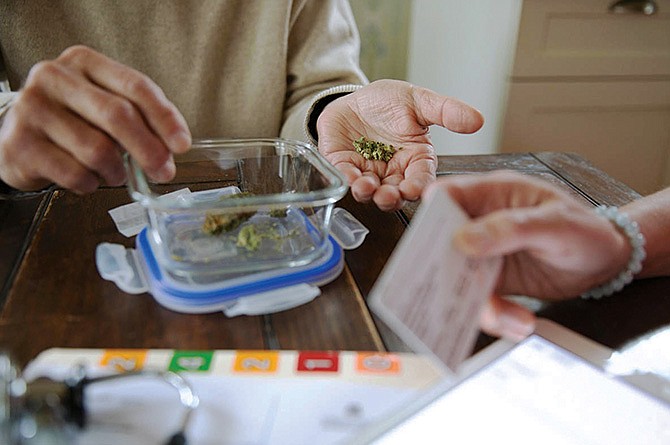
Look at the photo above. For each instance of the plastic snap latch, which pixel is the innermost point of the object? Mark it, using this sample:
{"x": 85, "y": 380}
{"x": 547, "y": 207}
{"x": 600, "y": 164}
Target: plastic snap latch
{"x": 347, "y": 230}
{"x": 273, "y": 301}
{"x": 118, "y": 264}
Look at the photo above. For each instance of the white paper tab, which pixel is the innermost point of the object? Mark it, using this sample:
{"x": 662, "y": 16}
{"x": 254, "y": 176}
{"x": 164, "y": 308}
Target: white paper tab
{"x": 131, "y": 218}
{"x": 429, "y": 293}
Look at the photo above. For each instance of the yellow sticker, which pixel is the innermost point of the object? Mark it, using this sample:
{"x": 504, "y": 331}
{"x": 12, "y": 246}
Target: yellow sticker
{"x": 256, "y": 361}
{"x": 124, "y": 360}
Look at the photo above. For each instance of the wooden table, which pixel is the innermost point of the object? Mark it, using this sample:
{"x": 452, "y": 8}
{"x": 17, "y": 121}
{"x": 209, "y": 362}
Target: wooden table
{"x": 53, "y": 296}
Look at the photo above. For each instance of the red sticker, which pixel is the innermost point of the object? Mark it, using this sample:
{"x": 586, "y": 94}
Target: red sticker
{"x": 318, "y": 361}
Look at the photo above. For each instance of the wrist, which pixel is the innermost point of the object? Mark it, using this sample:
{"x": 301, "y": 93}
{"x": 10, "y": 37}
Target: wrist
{"x": 653, "y": 214}
{"x": 319, "y": 103}
{"x": 631, "y": 230}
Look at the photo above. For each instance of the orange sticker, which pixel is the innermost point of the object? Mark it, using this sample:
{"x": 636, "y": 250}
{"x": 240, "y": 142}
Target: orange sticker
{"x": 124, "y": 360}
{"x": 256, "y": 361}
{"x": 378, "y": 362}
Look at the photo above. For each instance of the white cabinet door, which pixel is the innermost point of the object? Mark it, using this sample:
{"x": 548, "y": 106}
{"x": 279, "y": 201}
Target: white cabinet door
{"x": 582, "y": 38}
{"x": 622, "y": 127}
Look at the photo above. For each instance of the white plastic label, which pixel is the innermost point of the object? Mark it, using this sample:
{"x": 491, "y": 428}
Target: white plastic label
{"x": 273, "y": 301}
{"x": 120, "y": 265}
{"x": 347, "y": 230}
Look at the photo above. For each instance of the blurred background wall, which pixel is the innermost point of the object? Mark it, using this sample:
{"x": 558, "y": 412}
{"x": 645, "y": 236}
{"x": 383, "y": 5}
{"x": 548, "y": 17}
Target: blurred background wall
{"x": 585, "y": 76}
{"x": 459, "y": 48}
{"x": 384, "y": 28}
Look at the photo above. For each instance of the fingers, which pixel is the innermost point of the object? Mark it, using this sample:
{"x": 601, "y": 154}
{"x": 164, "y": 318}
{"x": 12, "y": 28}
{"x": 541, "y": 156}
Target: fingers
{"x": 81, "y": 110}
{"x": 160, "y": 114}
{"x": 365, "y": 183}
{"x": 114, "y": 114}
{"x": 388, "y": 198}
{"x": 84, "y": 143}
{"x": 35, "y": 163}
{"x": 541, "y": 225}
{"x": 541, "y": 230}
{"x": 420, "y": 172}
{"x": 388, "y": 185}
{"x": 364, "y": 187}
{"x": 499, "y": 233}
{"x": 504, "y": 318}
{"x": 62, "y": 169}
{"x": 562, "y": 231}
{"x": 450, "y": 113}
{"x": 344, "y": 162}
{"x": 411, "y": 189}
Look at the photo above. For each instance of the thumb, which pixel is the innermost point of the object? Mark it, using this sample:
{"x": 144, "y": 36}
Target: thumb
{"x": 447, "y": 112}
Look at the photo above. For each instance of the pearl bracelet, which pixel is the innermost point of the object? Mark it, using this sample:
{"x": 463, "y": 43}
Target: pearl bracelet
{"x": 632, "y": 231}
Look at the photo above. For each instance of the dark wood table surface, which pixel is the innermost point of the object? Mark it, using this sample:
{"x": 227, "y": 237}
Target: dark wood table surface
{"x": 53, "y": 296}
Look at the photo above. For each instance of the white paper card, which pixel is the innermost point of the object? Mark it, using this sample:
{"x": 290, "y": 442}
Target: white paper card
{"x": 429, "y": 293}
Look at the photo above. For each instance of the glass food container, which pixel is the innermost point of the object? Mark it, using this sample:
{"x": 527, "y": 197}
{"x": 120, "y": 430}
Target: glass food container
{"x": 240, "y": 205}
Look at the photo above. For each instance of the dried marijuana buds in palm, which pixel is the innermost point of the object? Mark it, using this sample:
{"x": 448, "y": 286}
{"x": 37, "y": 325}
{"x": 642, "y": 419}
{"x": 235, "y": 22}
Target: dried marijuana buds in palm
{"x": 374, "y": 150}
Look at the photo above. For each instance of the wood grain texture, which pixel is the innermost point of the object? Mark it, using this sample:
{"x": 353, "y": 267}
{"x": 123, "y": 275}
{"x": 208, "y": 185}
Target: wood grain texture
{"x": 57, "y": 299}
{"x": 570, "y": 173}
{"x": 18, "y": 219}
{"x": 588, "y": 179}
{"x": 337, "y": 320}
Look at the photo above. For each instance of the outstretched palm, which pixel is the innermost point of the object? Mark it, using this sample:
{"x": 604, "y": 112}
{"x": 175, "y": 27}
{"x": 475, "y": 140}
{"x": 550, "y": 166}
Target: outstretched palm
{"x": 396, "y": 113}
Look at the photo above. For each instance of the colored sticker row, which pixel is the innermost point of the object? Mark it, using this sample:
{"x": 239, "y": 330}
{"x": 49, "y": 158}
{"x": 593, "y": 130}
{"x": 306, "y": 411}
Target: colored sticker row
{"x": 257, "y": 362}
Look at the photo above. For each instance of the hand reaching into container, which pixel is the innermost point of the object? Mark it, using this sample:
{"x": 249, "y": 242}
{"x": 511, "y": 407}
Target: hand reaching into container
{"x": 396, "y": 113}
{"x": 76, "y": 114}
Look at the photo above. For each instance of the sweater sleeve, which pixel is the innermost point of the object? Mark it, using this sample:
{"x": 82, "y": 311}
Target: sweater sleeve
{"x": 323, "y": 64}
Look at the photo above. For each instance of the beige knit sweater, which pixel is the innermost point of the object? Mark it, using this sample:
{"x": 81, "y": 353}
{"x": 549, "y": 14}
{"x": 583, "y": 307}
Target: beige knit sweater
{"x": 235, "y": 68}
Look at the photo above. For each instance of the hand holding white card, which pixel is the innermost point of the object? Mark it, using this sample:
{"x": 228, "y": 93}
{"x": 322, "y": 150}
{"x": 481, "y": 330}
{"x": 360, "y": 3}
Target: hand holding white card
{"x": 429, "y": 293}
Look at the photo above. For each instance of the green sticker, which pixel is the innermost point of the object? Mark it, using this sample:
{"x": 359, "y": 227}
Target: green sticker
{"x": 192, "y": 361}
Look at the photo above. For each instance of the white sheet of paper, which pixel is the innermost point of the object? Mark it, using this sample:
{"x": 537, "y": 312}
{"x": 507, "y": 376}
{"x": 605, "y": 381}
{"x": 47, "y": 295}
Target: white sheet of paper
{"x": 537, "y": 392}
{"x": 429, "y": 293}
{"x": 237, "y": 410}
{"x": 285, "y": 406}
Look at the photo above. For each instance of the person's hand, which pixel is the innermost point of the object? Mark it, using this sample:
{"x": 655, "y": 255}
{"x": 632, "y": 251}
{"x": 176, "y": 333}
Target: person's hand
{"x": 554, "y": 247}
{"x": 397, "y": 113}
{"x": 74, "y": 117}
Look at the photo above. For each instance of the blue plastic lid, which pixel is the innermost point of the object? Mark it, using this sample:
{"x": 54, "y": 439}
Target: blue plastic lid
{"x": 193, "y": 293}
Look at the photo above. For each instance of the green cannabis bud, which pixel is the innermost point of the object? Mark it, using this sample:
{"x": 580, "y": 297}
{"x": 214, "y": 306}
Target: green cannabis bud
{"x": 278, "y": 213}
{"x": 374, "y": 149}
{"x": 249, "y": 238}
{"x": 224, "y": 222}
{"x": 217, "y": 223}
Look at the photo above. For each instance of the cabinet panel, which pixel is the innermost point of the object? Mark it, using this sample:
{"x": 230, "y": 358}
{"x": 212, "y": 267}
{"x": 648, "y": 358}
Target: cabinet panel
{"x": 582, "y": 38}
{"x": 621, "y": 127}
